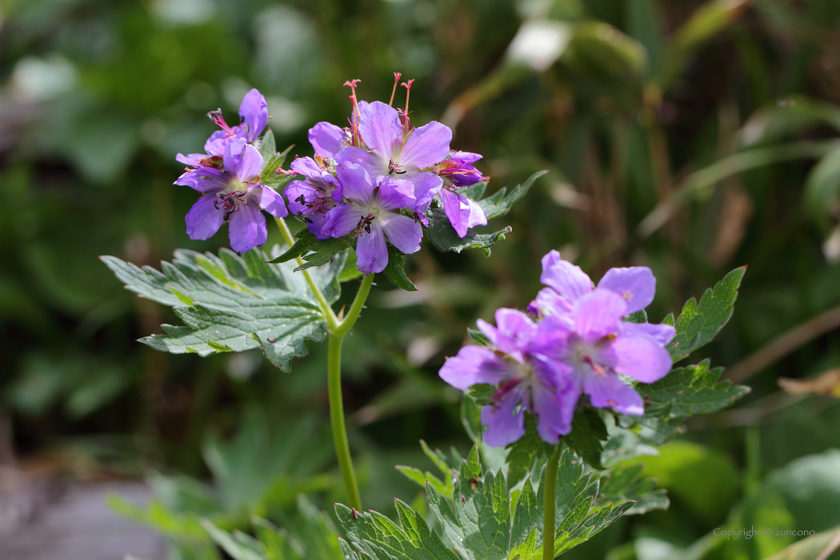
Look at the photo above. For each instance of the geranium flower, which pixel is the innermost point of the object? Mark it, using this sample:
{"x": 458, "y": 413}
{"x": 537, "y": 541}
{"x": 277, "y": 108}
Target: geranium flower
{"x": 233, "y": 195}
{"x": 315, "y": 196}
{"x": 395, "y": 156}
{"x": 373, "y": 216}
{"x": 525, "y": 379}
{"x": 253, "y": 114}
{"x": 457, "y": 171}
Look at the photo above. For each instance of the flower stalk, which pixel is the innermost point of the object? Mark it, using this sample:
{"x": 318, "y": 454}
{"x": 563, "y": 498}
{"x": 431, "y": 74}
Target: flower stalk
{"x": 338, "y": 329}
{"x": 550, "y": 504}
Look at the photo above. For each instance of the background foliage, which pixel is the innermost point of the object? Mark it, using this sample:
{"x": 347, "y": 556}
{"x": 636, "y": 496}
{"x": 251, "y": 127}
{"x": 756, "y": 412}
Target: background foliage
{"x": 693, "y": 137}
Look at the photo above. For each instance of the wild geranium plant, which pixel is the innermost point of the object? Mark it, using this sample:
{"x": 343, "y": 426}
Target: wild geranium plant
{"x": 566, "y": 390}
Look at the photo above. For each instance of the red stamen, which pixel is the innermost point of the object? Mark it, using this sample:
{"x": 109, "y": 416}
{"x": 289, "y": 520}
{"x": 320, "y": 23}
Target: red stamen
{"x": 216, "y": 117}
{"x": 599, "y": 370}
{"x": 354, "y": 124}
{"x": 406, "y": 120}
{"x": 397, "y": 77}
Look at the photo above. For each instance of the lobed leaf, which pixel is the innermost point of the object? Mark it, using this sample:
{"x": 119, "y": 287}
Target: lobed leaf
{"x": 484, "y": 522}
{"x": 232, "y": 303}
{"x": 697, "y": 325}
{"x": 395, "y": 270}
{"x": 588, "y": 431}
{"x": 684, "y": 392}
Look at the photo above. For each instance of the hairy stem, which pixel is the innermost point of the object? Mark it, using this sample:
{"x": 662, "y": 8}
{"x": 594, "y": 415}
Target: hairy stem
{"x": 550, "y": 505}
{"x": 332, "y": 320}
{"x": 342, "y": 448}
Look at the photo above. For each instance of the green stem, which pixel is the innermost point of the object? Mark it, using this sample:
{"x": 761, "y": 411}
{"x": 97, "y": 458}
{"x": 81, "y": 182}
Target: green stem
{"x": 356, "y": 308}
{"x": 550, "y": 505}
{"x": 338, "y": 329}
{"x": 342, "y": 448}
{"x": 332, "y": 320}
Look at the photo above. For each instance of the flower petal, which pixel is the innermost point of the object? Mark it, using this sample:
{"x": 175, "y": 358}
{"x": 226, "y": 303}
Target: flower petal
{"x": 395, "y": 194}
{"x": 465, "y": 157}
{"x": 609, "y": 391}
{"x": 640, "y": 357}
{"x": 568, "y": 280}
{"x": 598, "y": 314}
{"x": 425, "y": 187}
{"x": 462, "y": 212}
{"x": 204, "y": 179}
{"x": 356, "y": 184}
{"x": 549, "y": 302}
{"x": 270, "y": 201}
{"x": 504, "y": 425}
{"x": 662, "y": 334}
{"x": 253, "y": 114}
{"x": 371, "y": 250}
{"x": 473, "y": 365}
{"x": 341, "y": 220}
{"x": 374, "y": 165}
{"x": 203, "y": 219}
{"x": 215, "y": 145}
{"x": 426, "y": 146}
{"x": 327, "y": 139}
{"x": 635, "y": 284}
{"x": 403, "y": 232}
{"x": 248, "y": 163}
{"x": 381, "y": 130}
{"x": 193, "y": 160}
{"x": 554, "y": 401}
{"x": 247, "y": 228}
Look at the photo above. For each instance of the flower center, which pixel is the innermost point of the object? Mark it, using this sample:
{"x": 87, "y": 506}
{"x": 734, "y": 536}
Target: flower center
{"x": 229, "y": 202}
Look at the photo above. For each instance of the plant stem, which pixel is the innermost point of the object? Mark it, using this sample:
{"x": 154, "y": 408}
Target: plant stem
{"x": 356, "y": 308}
{"x": 332, "y": 320}
{"x": 338, "y": 329}
{"x": 550, "y": 505}
{"x": 342, "y": 448}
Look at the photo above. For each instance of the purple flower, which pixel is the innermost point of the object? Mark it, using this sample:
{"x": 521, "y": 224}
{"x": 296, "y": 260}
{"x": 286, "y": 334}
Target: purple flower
{"x": 524, "y": 380}
{"x": 393, "y": 155}
{"x": 232, "y": 195}
{"x": 457, "y": 171}
{"x": 596, "y": 345}
{"x": 636, "y": 285}
{"x": 253, "y": 114}
{"x": 583, "y": 329}
{"x": 315, "y": 196}
{"x": 328, "y": 139}
{"x": 372, "y": 217}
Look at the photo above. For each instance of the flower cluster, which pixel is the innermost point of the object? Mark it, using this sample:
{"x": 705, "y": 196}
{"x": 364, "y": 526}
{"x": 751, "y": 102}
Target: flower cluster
{"x": 573, "y": 339}
{"x": 374, "y": 180}
{"x": 228, "y": 176}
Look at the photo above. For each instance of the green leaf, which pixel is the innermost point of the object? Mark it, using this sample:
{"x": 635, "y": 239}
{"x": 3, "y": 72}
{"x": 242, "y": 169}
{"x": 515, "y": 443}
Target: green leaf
{"x": 445, "y": 238}
{"x": 697, "y": 325}
{"x": 310, "y": 535}
{"x": 479, "y": 338}
{"x": 527, "y": 450}
{"x": 499, "y": 203}
{"x": 625, "y": 483}
{"x": 588, "y": 431}
{"x": 350, "y": 270}
{"x": 471, "y": 418}
{"x": 481, "y": 522}
{"x": 481, "y": 393}
{"x": 684, "y": 392}
{"x": 822, "y": 187}
{"x": 395, "y": 271}
{"x": 305, "y": 240}
{"x": 236, "y": 303}
{"x": 639, "y": 316}
{"x": 324, "y": 251}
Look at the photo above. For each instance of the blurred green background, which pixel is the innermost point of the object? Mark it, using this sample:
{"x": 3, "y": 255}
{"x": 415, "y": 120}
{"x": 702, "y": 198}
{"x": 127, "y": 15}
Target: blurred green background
{"x": 691, "y": 137}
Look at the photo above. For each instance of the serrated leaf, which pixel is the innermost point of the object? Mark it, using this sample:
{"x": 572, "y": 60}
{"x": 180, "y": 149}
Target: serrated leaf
{"x": 237, "y": 302}
{"x": 350, "y": 271}
{"x": 684, "y": 392}
{"x": 481, "y": 393}
{"x": 625, "y": 483}
{"x": 395, "y": 270}
{"x": 481, "y": 522}
{"x": 305, "y": 239}
{"x": 324, "y": 251}
{"x": 588, "y": 431}
{"x": 445, "y": 238}
{"x": 499, "y": 203}
{"x": 479, "y": 338}
{"x": 639, "y": 316}
{"x": 471, "y": 418}
{"x": 527, "y": 450}
{"x": 697, "y": 325}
